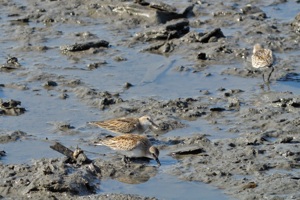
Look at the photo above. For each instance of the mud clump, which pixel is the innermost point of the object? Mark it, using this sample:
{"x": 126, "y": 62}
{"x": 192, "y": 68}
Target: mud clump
{"x": 2, "y": 153}
{"x": 83, "y": 46}
{"x": 45, "y": 175}
{"x": 11, "y": 137}
{"x": 11, "y": 107}
{"x": 11, "y": 64}
{"x": 99, "y": 99}
{"x": 296, "y": 24}
{"x": 52, "y": 178}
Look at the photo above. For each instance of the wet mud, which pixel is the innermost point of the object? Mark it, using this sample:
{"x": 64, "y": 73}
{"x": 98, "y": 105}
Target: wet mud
{"x": 48, "y": 61}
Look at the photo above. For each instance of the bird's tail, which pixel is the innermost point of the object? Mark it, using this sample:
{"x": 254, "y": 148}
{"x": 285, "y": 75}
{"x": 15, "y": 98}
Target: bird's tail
{"x": 99, "y": 143}
{"x": 102, "y": 141}
{"x": 91, "y": 123}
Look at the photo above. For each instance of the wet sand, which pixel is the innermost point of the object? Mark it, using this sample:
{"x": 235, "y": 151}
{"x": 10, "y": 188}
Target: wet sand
{"x": 223, "y": 133}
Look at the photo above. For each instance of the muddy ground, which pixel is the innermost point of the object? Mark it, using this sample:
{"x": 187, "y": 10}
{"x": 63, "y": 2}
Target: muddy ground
{"x": 257, "y": 157}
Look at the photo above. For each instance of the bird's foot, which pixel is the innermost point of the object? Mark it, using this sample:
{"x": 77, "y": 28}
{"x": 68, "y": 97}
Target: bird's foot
{"x": 127, "y": 161}
{"x": 262, "y": 86}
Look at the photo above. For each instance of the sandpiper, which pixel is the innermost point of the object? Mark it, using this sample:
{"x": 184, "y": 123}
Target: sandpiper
{"x": 126, "y": 125}
{"x": 132, "y": 145}
{"x": 262, "y": 58}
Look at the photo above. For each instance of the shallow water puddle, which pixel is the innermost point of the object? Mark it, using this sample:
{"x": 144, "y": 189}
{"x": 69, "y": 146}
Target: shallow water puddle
{"x": 164, "y": 186}
{"x": 285, "y": 11}
{"x": 20, "y": 152}
{"x": 201, "y": 126}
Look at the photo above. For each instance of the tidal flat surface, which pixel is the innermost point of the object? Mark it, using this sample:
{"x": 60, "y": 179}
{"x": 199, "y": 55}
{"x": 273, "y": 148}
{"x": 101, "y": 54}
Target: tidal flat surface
{"x": 224, "y": 133}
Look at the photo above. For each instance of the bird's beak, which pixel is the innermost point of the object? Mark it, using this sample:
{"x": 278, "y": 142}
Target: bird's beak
{"x": 154, "y": 125}
{"x": 158, "y": 162}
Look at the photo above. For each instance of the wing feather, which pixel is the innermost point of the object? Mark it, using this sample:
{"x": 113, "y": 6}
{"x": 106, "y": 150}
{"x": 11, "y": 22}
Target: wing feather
{"x": 125, "y": 142}
{"x": 121, "y": 125}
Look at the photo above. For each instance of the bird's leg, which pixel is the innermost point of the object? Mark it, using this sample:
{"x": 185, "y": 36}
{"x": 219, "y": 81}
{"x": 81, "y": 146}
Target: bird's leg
{"x": 263, "y": 75}
{"x": 126, "y": 160}
{"x": 268, "y": 87}
{"x": 270, "y": 73}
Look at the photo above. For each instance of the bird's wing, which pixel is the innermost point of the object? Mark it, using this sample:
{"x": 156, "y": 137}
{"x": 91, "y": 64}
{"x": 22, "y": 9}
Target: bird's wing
{"x": 122, "y": 142}
{"x": 121, "y": 125}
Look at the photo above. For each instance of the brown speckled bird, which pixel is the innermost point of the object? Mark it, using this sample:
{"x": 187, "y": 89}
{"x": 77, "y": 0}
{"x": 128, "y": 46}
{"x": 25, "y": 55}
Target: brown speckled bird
{"x": 126, "y": 125}
{"x": 262, "y": 58}
{"x": 132, "y": 145}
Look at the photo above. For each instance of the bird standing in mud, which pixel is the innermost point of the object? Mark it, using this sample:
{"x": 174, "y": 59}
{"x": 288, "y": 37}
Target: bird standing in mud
{"x": 132, "y": 145}
{"x": 126, "y": 125}
{"x": 262, "y": 58}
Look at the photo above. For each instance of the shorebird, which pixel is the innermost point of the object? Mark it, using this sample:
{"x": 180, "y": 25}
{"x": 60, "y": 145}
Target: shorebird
{"x": 132, "y": 146}
{"x": 126, "y": 125}
{"x": 262, "y": 58}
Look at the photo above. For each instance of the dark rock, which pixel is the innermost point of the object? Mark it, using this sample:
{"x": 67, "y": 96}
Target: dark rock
{"x": 9, "y": 104}
{"x": 11, "y": 107}
{"x": 221, "y": 89}
{"x": 188, "y": 151}
{"x": 217, "y": 109}
{"x": 250, "y": 9}
{"x": 127, "y": 85}
{"x": 21, "y": 21}
{"x": 96, "y": 65}
{"x": 202, "y": 56}
{"x": 286, "y": 140}
{"x": 231, "y": 145}
{"x": 217, "y": 33}
{"x": 155, "y": 12}
{"x": 12, "y": 63}
{"x": 50, "y": 84}
{"x": 84, "y": 46}
{"x": 173, "y": 29}
{"x": 64, "y": 96}
{"x": 2, "y": 153}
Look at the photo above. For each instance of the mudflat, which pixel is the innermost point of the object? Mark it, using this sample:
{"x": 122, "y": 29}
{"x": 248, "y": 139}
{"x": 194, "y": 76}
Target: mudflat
{"x": 187, "y": 64}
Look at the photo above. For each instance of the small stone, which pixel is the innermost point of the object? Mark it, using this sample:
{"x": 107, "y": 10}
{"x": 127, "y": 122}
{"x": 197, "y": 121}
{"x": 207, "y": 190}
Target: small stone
{"x": 127, "y": 85}
{"x": 205, "y": 92}
{"x": 64, "y": 96}
{"x": 96, "y": 65}
{"x": 221, "y": 89}
{"x": 202, "y": 56}
{"x": 231, "y": 145}
{"x": 249, "y": 185}
{"x": 286, "y": 140}
{"x": 217, "y": 109}
{"x": 2, "y": 153}
{"x": 207, "y": 74}
{"x": 50, "y": 84}
{"x": 119, "y": 58}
